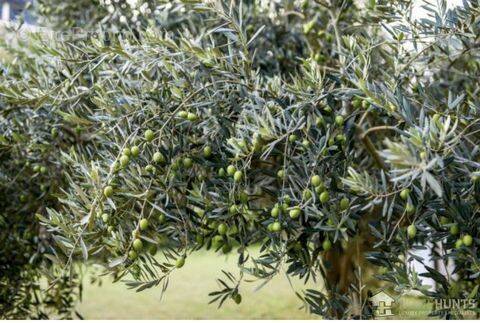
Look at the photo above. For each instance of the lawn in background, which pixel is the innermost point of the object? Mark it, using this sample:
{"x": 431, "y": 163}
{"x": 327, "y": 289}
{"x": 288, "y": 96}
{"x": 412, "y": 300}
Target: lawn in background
{"x": 187, "y": 296}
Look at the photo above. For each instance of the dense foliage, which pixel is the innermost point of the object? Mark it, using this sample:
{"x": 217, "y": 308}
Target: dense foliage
{"x": 31, "y": 177}
{"x": 340, "y": 137}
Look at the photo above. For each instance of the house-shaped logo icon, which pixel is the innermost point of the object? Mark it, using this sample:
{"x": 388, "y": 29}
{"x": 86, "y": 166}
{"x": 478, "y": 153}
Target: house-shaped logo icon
{"x": 382, "y": 304}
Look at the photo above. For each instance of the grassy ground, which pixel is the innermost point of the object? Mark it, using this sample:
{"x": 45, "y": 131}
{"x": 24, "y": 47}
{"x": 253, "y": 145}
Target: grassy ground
{"x": 187, "y": 297}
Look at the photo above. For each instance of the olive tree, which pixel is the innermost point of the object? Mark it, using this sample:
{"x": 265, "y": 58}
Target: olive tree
{"x": 30, "y": 179}
{"x": 340, "y": 137}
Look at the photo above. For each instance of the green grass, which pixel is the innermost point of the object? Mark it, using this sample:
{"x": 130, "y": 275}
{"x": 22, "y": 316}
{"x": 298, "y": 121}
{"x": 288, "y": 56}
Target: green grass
{"x": 187, "y": 296}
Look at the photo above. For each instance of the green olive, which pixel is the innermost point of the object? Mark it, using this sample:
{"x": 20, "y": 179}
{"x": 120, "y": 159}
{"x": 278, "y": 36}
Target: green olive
{"x": 324, "y": 197}
{"x": 183, "y": 114}
{"x": 331, "y": 141}
{"x": 233, "y": 209}
{"x": 316, "y": 180}
{"x": 410, "y": 208}
{"x": 238, "y": 176}
{"x": 115, "y": 165}
{"x": 275, "y": 211}
{"x": 326, "y": 245}
{"x": 132, "y": 255}
{"x": 217, "y": 241}
{"x": 237, "y": 298}
{"x": 244, "y": 197}
{"x": 135, "y": 233}
{"x": 320, "y": 189}
{"x": 458, "y": 243}
{"x": 135, "y": 151}
{"x": 222, "y": 229}
{"x": 191, "y": 116}
{"x": 411, "y": 231}
{"x": 149, "y": 135}
{"x": 180, "y": 262}
{"x": 199, "y": 211}
{"x": 339, "y": 121}
{"x": 187, "y": 162}
{"x": 307, "y": 194}
{"x": 207, "y": 151}
{"x": 257, "y": 144}
{"x": 344, "y": 204}
{"x": 356, "y": 103}
{"x": 467, "y": 240}
{"x": 405, "y": 193}
{"x": 269, "y": 227}
{"x": 221, "y": 172}
{"x": 108, "y": 191}
{"x": 124, "y": 160}
{"x": 152, "y": 250}
{"x": 162, "y": 218}
{"x": 158, "y": 157}
{"x": 143, "y": 224}
{"x": 231, "y": 170}
{"x": 276, "y": 227}
{"x": 341, "y": 138}
{"x": 137, "y": 245}
{"x": 295, "y": 212}
{"x": 126, "y": 151}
